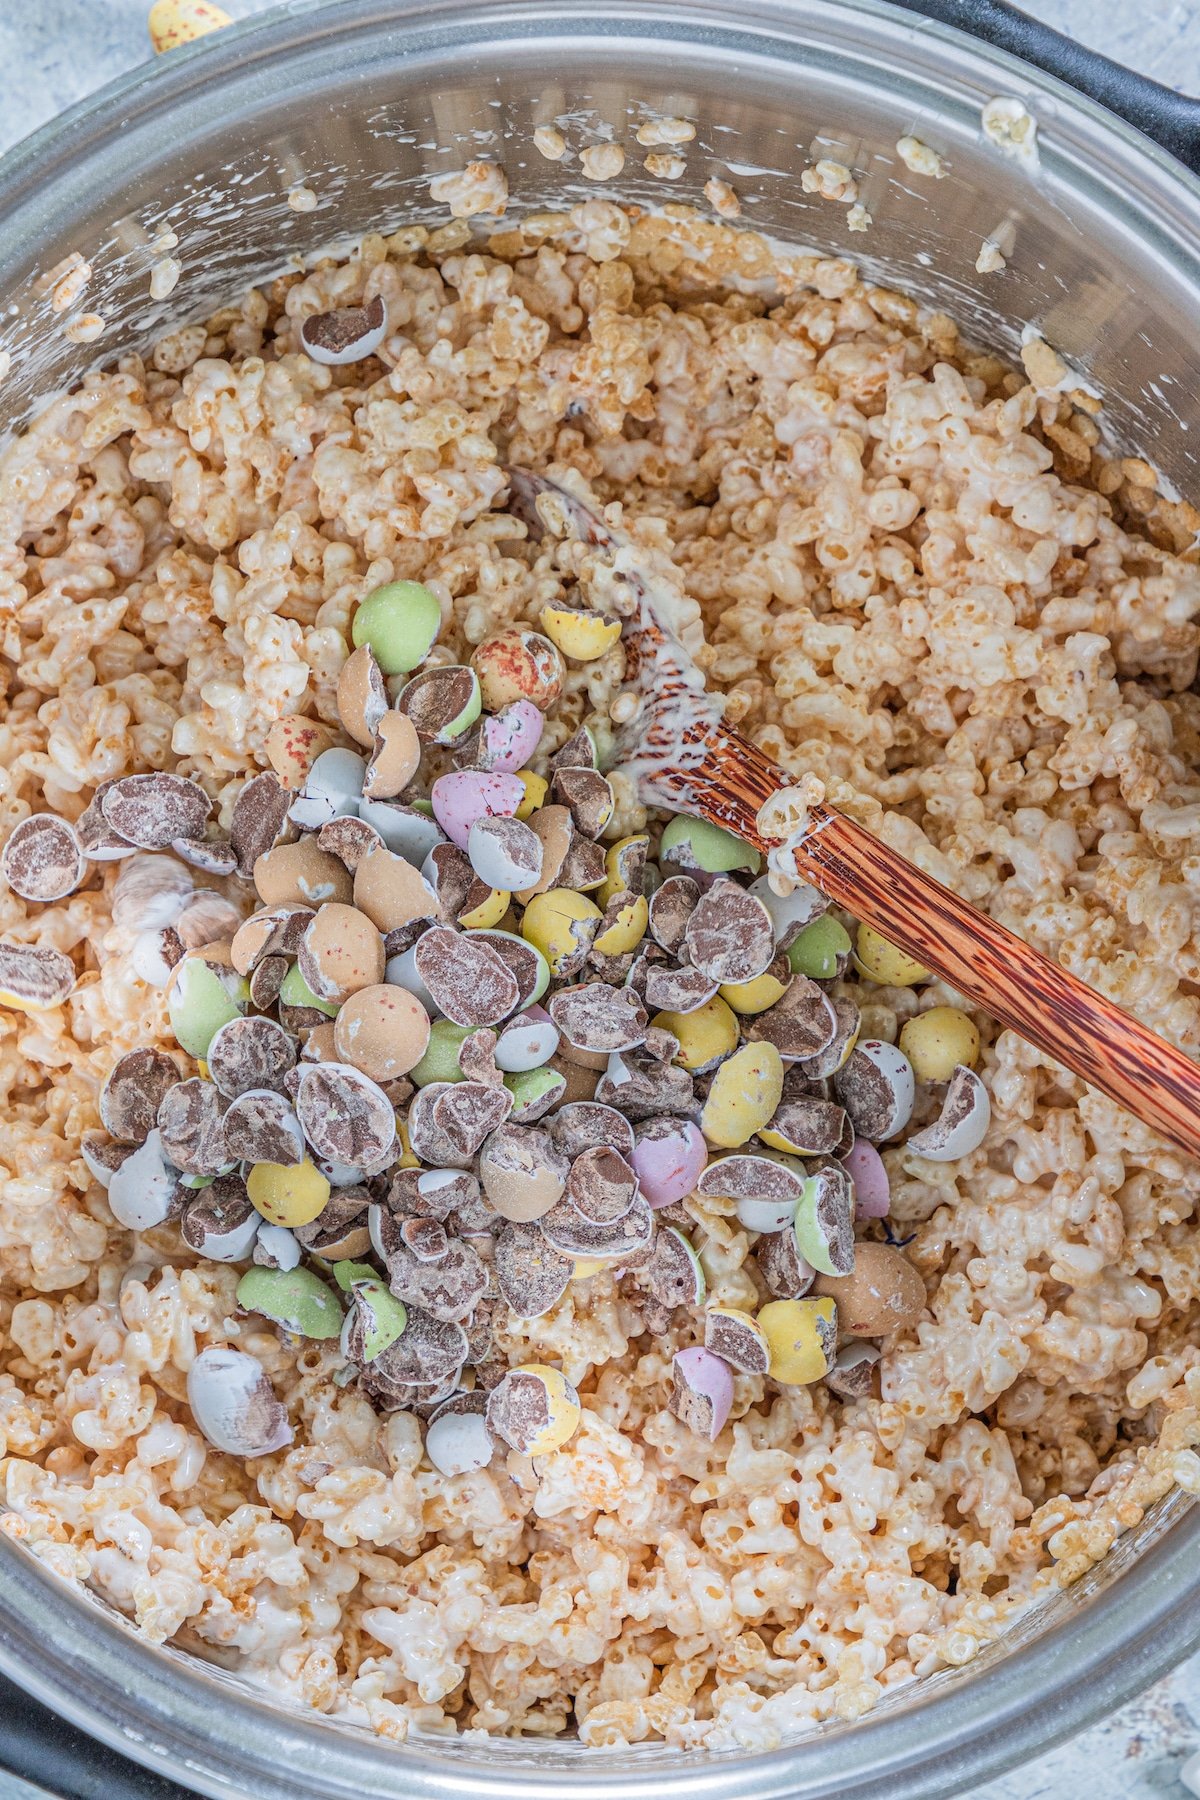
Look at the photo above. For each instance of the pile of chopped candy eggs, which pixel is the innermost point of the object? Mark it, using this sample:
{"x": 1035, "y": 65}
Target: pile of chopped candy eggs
{"x": 463, "y": 1054}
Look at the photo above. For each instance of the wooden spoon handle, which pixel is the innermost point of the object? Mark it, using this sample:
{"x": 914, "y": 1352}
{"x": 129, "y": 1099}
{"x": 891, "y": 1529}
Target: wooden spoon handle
{"x": 993, "y": 967}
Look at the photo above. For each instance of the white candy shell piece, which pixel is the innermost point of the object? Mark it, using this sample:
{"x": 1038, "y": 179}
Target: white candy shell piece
{"x": 234, "y": 1404}
{"x": 962, "y": 1125}
{"x": 528, "y": 1042}
{"x": 333, "y": 787}
{"x": 141, "y": 1190}
{"x": 404, "y": 830}
{"x": 458, "y": 1442}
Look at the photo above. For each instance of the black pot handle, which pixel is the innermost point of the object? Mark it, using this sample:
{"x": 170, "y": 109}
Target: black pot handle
{"x": 1171, "y": 119}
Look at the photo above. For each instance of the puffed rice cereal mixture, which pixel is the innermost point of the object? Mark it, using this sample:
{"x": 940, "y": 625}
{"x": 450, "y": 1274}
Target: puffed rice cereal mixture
{"x": 475, "y": 1256}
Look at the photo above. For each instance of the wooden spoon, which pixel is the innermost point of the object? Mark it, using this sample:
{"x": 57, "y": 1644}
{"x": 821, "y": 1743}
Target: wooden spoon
{"x": 686, "y": 760}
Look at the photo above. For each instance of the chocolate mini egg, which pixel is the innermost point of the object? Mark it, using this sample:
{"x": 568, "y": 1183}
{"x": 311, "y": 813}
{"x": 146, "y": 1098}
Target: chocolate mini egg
{"x": 505, "y": 853}
{"x": 877, "y": 1089}
{"x": 465, "y": 795}
{"x": 346, "y": 334}
{"x": 881, "y": 1294}
{"x": 668, "y": 1159}
{"x": 443, "y": 703}
{"x": 362, "y": 696}
{"x": 340, "y": 952}
{"x": 457, "y": 1439}
{"x": 962, "y": 1124}
{"x": 554, "y": 830}
{"x": 395, "y": 759}
{"x": 383, "y": 1030}
{"x": 518, "y": 665}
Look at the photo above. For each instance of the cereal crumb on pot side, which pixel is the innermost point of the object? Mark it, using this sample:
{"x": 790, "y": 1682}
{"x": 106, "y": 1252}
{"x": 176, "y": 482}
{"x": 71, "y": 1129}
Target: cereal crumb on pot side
{"x": 444, "y": 1198}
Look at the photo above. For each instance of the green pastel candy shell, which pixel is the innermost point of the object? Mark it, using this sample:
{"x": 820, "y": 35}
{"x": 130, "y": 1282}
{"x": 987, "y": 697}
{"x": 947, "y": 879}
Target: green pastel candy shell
{"x": 816, "y": 951}
{"x": 295, "y": 1298}
{"x": 202, "y": 999}
{"x": 534, "y": 1092}
{"x": 347, "y": 1273}
{"x": 440, "y": 1061}
{"x": 695, "y": 844}
{"x": 295, "y": 991}
{"x": 383, "y": 1317}
{"x": 400, "y": 622}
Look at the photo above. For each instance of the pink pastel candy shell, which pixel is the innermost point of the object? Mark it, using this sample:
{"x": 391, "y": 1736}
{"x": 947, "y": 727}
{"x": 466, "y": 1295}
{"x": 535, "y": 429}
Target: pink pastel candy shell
{"x": 466, "y": 795}
{"x": 872, "y": 1193}
{"x": 711, "y": 1376}
{"x": 669, "y": 1168}
{"x": 511, "y": 736}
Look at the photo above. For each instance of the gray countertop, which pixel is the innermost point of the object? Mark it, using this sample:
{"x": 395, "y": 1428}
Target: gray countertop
{"x": 54, "y": 52}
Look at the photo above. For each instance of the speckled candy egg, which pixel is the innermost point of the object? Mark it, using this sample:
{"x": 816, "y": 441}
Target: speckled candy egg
{"x": 518, "y": 665}
{"x": 383, "y": 1031}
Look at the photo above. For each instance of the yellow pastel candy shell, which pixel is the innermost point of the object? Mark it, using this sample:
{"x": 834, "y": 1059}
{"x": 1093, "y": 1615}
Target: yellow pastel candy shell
{"x": 564, "y": 1408}
{"x": 938, "y": 1041}
{"x": 175, "y": 22}
{"x": 745, "y": 1091}
{"x": 882, "y": 962}
{"x": 587, "y": 1266}
{"x": 408, "y": 1160}
{"x": 287, "y": 1195}
{"x": 801, "y": 1337}
{"x": 627, "y": 930}
{"x": 489, "y": 912}
{"x": 536, "y": 788}
{"x": 619, "y": 873}
{"x": 705, "y": 1035}
{"x": 550, "y": 921}
{"x": 753, "y": 996}
{"x": 581, "y": 636}
{"x": 775, "y": 1140}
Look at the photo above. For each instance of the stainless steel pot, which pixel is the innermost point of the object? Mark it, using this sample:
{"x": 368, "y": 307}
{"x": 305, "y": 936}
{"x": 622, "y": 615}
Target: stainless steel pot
{"x": 363, "y": 101}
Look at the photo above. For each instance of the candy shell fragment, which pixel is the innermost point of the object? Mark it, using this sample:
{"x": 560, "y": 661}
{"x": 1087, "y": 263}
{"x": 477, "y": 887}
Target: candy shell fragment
{"x": 234, "y": 1404}
{"x": 706, "y": 1035}
{"x": 674, "y": 1274}
{"x": 142, "y": 1191}
{"x": 294, "y": 1298}
{"x": 668, "y": 1159}
{"x": 457, "y": 1439}
{"x": 853, "y": 1373}
{"x": 376, "y": 1319}
{"x": 695, "y": 844}
{"x": 962, "y": 1124}
{"x": 522, "y": 1172}
{"x": 395, "y": 759}
{"x": 562, "y": 925}
{"x": 703, "y": 1392}
{"x": 466, "y": 795}
{"x": 443, "y": 703}
{"x": 362, "y": 696}
{"x": 202, "y": 998}
{"x": 744, "y": 1094}
{"x": 581, "y": 636}
{"x": 801, "y": 1337}
{"x": 872, "y": 1190}
{"x": 824, "y": 1222}
{"x": 220, "y": 1222}
{"x": 534, "y": 1409}
{"x": 505, "y": 853}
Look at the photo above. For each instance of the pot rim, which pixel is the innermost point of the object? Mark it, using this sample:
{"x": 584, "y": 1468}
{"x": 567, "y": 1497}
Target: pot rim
{"x": 88, "y": 1664}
